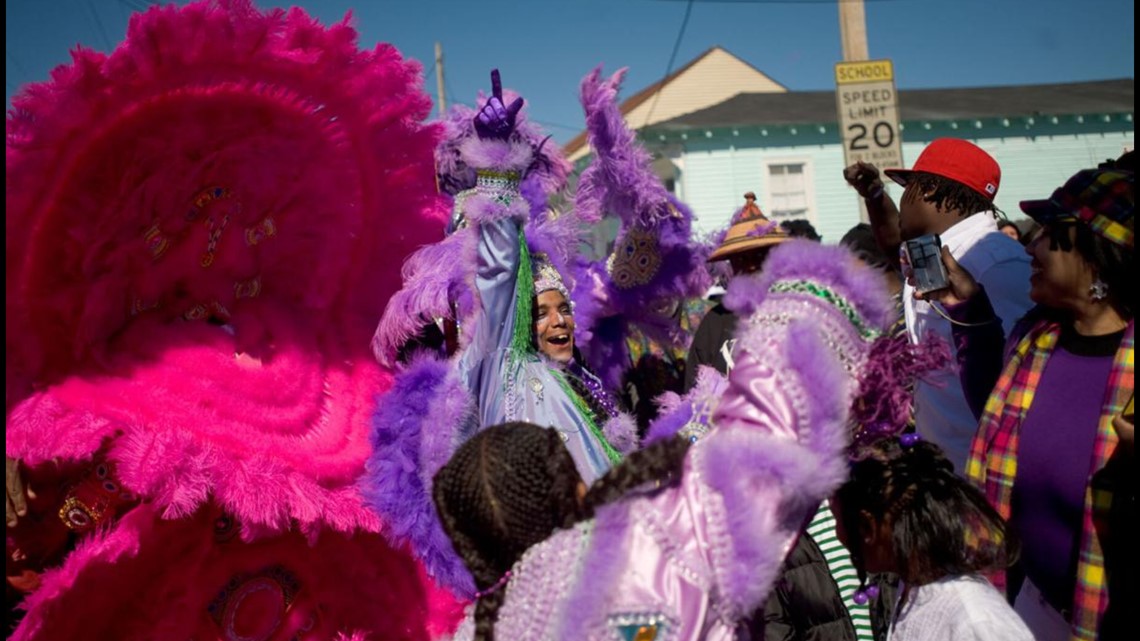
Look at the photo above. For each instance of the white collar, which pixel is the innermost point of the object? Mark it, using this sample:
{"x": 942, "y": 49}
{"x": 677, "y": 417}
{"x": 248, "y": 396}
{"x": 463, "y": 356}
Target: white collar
{"x": 969, "y": 229}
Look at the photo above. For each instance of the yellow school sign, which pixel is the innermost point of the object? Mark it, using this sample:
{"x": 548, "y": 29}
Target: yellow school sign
{"x": 868, "y": 112}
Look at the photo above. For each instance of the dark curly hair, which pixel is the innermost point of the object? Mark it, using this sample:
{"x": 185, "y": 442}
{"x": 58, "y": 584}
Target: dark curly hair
{"x": 1113, "y": 263}
{"x": 941, "y": 525}
{"x": 951, "y": 195}
{"x": 506, "y": 489}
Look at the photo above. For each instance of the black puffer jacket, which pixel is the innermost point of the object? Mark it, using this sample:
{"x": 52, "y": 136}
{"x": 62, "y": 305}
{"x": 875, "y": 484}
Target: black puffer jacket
{"x": 805, "y": 604}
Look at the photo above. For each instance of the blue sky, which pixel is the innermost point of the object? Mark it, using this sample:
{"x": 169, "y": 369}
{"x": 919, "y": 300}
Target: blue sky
{"x": 543, "y": 47}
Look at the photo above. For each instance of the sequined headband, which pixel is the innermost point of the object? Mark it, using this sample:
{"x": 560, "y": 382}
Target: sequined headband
{"x": 547, "y": 278}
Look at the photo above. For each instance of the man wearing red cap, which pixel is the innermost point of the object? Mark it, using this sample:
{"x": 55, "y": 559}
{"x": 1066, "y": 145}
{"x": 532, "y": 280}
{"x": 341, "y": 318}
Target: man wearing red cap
{"x": 949, "y": 192}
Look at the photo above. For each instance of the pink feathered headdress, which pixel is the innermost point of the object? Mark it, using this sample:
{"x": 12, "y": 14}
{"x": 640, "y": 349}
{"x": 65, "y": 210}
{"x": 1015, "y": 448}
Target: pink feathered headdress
{"x": 203, "y": 227}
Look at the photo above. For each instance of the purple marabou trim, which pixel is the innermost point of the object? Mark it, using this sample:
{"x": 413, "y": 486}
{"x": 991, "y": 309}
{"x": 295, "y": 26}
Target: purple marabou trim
{"x": 586, "y": 603}
{"x": 500, "y": 155}
{"x": 480, "y": 208}
{"x": 676, "y": 411}
{"x": 412, "y": 435}
{"x": 547, "y": 172}
{"x": 739, "y": 462}
{"x": 434, "y": 277}
{"x": 827, "y": 387}
{"x": 832, "y": 267}
{"x": 762, "y": 230}
{"x": 669, "y": 424}
{"x": 886, "y": 390}
{"x": 621, "y": 432}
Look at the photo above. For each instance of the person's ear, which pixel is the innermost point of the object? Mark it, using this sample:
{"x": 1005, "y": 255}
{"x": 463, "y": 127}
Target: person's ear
{"x": 868, "y": 527}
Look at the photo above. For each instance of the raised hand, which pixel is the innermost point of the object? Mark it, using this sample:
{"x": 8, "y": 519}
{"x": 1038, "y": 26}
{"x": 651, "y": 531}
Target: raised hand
{"x": 496, "y": 120}
{"x": 864, "y": 177}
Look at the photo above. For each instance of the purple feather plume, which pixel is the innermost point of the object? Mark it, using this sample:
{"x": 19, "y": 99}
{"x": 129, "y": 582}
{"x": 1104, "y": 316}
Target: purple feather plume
{"x": 414, "y": 432}
{"x": 886, "y": 391}
{"x": 436, "y": 277}
{"x": 620, "y": 181}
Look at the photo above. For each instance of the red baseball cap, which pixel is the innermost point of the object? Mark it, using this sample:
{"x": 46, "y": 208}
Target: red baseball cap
{"x": 959, "y": 160}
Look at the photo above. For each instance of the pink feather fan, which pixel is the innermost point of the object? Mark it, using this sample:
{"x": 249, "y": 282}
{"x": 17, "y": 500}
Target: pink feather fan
{"x": 203, "y": 228}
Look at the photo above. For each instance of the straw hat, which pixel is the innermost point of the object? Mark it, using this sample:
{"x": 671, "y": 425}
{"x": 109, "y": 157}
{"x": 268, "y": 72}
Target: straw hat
{"x": 751, "y": 232}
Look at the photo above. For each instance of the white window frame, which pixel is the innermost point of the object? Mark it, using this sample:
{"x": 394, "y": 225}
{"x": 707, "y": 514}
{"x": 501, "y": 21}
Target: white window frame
{"x": 809, "y": 183}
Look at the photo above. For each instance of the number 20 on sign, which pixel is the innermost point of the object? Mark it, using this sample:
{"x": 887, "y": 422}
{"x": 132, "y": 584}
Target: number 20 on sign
{"x": 868, "y": 112}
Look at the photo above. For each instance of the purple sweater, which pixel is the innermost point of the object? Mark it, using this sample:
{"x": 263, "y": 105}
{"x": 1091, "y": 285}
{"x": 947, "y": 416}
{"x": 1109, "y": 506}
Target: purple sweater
{"x": 1057, "y": 438}
{"x": 1053, "y": 459}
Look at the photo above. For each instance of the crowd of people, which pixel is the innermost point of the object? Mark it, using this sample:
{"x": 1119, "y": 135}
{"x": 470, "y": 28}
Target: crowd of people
{"x": 761, "y": 435}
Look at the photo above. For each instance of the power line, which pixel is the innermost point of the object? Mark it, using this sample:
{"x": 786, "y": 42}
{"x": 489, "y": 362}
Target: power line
{"x": 135, "y": 5}
{"x": 672, "y": 59}
{"x": 99, "y": 24}
{"x": 778, "y": 1}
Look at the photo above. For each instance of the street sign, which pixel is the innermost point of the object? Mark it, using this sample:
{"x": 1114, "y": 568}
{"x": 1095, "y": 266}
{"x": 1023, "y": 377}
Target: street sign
{"x": 868, "y": 113}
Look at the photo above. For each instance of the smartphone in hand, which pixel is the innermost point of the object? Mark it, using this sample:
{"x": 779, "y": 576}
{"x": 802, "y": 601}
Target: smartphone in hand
{"x": 925, "y": 257}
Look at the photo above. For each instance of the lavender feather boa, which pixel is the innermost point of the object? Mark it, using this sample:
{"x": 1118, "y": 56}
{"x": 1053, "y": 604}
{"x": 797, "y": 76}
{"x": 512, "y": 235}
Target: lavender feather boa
{"x": 419, "y": 423}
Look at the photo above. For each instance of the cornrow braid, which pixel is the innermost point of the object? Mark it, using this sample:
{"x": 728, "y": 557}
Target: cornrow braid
{"x": 506, "y": 489}
{"x": 941, "y": 525}
{"x": 949, "y": 194}
{"x": 661, "y": 461}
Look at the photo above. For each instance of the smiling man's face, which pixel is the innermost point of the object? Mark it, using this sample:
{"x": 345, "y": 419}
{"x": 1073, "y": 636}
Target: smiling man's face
{"x": 554, "y": 326}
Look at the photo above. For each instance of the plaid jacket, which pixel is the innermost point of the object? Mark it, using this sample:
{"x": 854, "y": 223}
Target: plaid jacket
{"x": 993, "y": 456}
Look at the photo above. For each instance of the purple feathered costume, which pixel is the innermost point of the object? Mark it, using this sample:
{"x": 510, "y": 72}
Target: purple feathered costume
{"x": 689, "y": 561}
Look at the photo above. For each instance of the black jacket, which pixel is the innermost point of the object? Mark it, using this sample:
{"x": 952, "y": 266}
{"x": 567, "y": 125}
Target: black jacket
{"x": 805, "y": 604}
{"x": 716, "y": 329}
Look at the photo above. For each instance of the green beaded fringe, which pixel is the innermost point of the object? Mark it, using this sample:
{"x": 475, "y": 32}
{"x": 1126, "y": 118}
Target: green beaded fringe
{"x": 587, "y": 415}
{"x": 524, "y": 312}
{"x": 521, "y": 346}
{"x": 826, "y": 294}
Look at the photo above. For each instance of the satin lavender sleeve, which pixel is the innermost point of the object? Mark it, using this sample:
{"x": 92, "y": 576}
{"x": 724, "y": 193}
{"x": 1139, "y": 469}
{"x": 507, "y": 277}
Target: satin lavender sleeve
{"x": 757, "y": 400}
{"x": 495, "y": 275}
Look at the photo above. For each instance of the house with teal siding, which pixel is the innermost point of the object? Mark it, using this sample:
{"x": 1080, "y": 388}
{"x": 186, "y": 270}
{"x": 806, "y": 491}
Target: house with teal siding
{"x": 787, "y": 148}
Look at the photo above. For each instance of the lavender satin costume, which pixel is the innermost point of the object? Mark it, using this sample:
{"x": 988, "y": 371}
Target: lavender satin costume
{"x": 689, "y": 561}
{"x": 514, "y": 386}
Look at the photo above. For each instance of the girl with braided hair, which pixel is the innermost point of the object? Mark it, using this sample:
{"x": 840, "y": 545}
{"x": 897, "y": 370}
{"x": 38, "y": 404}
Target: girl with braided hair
{"x": 906, "y": 512}
{"x": 504, "y": 490}
{"x": 684, "y": 538}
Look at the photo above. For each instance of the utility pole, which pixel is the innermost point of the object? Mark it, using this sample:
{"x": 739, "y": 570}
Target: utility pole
{"x": 852, "y": 30}
{"x": 439, "y": 79}
{"x": 853, "y": 36}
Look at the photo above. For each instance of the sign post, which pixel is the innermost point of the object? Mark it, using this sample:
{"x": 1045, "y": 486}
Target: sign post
{"x": 868, "y": 114}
